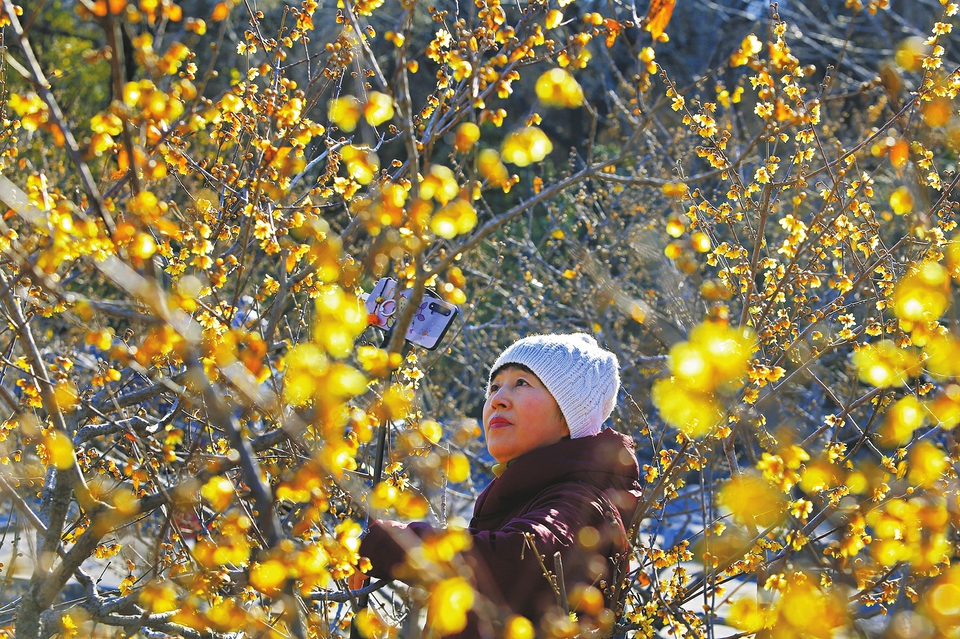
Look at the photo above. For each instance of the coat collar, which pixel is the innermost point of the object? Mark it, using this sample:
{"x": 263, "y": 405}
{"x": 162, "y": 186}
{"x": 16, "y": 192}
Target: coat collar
{"x": 605, "y": 460}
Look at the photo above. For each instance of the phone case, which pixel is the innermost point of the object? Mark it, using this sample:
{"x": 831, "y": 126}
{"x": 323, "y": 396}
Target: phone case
{"x": 382, "y": 304}
{"x": 430, "y": 322}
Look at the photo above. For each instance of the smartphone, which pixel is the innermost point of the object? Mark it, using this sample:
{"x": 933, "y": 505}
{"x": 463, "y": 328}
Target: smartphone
{"x": 430, "y": 322}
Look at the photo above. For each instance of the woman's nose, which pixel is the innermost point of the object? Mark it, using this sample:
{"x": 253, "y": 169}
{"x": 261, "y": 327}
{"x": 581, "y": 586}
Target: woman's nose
{"x": 499, "y": 399}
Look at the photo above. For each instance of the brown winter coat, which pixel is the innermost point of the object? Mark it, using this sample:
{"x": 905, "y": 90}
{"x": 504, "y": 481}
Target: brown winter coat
{"x": 552, "y": 493}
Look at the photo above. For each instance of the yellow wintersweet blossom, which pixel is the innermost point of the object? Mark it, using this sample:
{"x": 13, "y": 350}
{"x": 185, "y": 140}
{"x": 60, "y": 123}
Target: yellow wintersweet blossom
{"x": 885, "y": 364}
{"x": 940, "y": 605}
{"x": 677, "y": 102}
{"x": 195, "y": 25}
{"x": 226, "y": 615}
{"x": 59, "y": 449}
{"x": 377, "y": 361}
{"x": 444, "y": 546}
{"x": 658, "y": 17}
{"x": 289, "y": 114}
{"x": 678, "y": 190}
{"x": 142, "y": 246}
{"x": 675, "y": 225}
{"x": 700, "y": 242}
{"x": 344, "y": 112}
{"x": 362, "y": 163}
{"x": 783, "y": 469}
{"x": 467, "y": 135}
{"x": 806, "y": 611}
{"x": 953, "y": 257}
{"x": 928, "y": 463}
{"x": 269, "y": 576}
{"x": 159, "y": 596}
{"x": 309, "y": 565}
{"x": 450, "y": 601}
{"x": 462, "y": 68}
{"x": 942, "y": 356}
{"x": 383, "y": 495}
{"x": 901, "y": 201}
{"x": 557, "y": 88}
{"x": 715, "y": 356}
{"x": 230, "y": 547}
{"x": 518, "y": 627}
{"x": 944, "y": 409}
{"x": 820, "y": 475}
{"x": 456, "y": 218}
{"x": 230, "y": 103}
{"x": 715, "y": 359}
{"x": 753, "y": 500}
{"x": 914, "y": 531}
{"x": 748, "y": 615}
{"x": 937, "y": 112}
{"x": 100, "y": 143}
{"x": 899, "y": 153}
{"x": 902, "y": 419}
{"x": 431, "y": 430}
{"x": 688, "y": 411}
{"x": 65, "y": 395}
{"x": 219, "y": 493}
{"x": 125, "y": 501}
{"x": 410, "y": 505}
{"x": 911, "y": 53}
{"x": 367, "y": 7}
{"x": 397, "y": 400}
{"x": 457, "y": 467}
{"x": 370, "y": 624}
{"x": 108, "y": 123}
{"x": 923, "y": 295}
{"x": 491, "y": 168}
{"x": 340, "y": 318}
{"x": 726, "y": 98}
{"x": 311, "y": 375}
{"x": 378, "y": 109}
{"x": 526, "y": 146}
{"x": 750, "y": 47}
{"x": 647, "y": 55}
{"x": 31, "y": 108}
{"x": 439, "y": 184}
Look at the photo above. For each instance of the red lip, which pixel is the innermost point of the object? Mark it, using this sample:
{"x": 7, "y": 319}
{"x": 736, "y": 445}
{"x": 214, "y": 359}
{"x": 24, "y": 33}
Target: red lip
{"x": 498, "y": 422}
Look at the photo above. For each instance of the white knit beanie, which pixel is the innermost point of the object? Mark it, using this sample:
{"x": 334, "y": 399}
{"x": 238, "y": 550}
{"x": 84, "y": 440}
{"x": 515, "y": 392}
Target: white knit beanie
{"x": 583, "y": 377}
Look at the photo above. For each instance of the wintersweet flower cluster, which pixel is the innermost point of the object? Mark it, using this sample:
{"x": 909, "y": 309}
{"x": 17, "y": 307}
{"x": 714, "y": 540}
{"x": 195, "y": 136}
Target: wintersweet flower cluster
{"x": 711, "y": 365}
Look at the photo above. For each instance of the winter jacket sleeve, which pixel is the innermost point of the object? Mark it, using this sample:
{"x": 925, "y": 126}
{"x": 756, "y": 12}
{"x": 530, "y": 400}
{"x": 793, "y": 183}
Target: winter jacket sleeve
{"x": 506, "y": 569}
{"x": 386, "y": 542}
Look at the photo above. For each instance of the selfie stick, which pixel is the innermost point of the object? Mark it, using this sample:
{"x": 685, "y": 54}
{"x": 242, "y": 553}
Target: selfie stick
{"x": 445, "y": 310}
{"x": 364, "y": 600}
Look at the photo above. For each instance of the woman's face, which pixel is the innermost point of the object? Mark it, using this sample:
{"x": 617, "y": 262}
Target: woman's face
{"x": 520, "y": 414}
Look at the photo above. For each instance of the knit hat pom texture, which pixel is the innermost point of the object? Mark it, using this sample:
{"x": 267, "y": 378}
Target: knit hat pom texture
{"x": 583, "y": 378}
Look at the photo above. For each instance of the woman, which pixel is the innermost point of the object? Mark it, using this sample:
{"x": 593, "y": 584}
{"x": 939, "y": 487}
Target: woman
{"x": 563, "y": 485}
